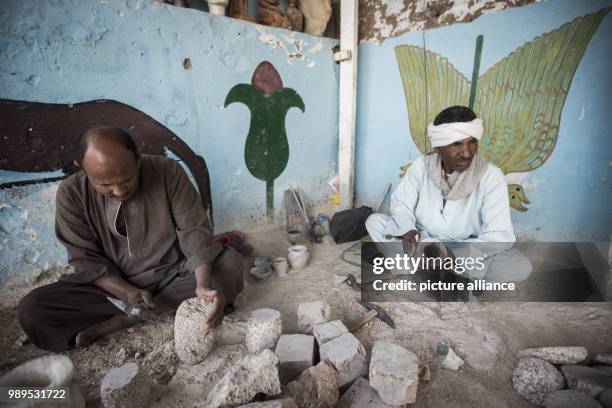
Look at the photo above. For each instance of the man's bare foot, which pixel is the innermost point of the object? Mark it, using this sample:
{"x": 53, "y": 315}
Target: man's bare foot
{"x": 92, "y": 333}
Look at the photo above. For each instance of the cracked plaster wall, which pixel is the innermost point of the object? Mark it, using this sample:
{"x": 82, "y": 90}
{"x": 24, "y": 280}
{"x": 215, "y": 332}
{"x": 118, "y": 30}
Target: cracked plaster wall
{"x": 383, "y": 19}
{"x": 68, "y": 51}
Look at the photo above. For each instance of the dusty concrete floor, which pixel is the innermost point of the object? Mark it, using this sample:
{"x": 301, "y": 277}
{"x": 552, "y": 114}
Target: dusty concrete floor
{"x": 486, "y": 335}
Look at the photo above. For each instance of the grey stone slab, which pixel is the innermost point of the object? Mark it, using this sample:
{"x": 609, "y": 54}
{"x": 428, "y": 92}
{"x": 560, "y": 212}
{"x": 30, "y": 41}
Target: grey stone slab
{"x": 347, "y": 355}
{"x": 310, "y": 314}
{"x": 605, "y": 399}
{"x": 570, "y": 399}
{"x": 264, "y": 327}
{"x": 587, "y": 379}
{"x": 394, "y": 373}
{"x": 252, "y": 375}
{"x": 295, "y": 354}
{"x": 327, "y": 331}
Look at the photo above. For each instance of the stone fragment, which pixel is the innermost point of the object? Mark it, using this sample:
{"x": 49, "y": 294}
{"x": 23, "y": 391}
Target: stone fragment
{"x": 394, "y": 373}
{"x": 361, "y": 395}
{"x": 534, "y": 378}
{"x": 327, "y": 331}
{"x": 231, "y": 332}
{"x": 556, "y": 355}
{"x": 295, "y": 354}
{"x": 264, "y": 327}
{"x": 252, "y": 375}
{"x": 586, "y": 379}
{"x": 606, "y": 398}
{"x": 279, "y": 403}
{"x": 605, "y": 359}
{"x": 347, "y": 355}
{"x": 311, "y": 314}
{"x": 570, "y": 399}
{"x": 452, "y": 361}
{"x": 191, "y": 339}
{"x": 317, "y": 387}
{"x": 125, "y": 386}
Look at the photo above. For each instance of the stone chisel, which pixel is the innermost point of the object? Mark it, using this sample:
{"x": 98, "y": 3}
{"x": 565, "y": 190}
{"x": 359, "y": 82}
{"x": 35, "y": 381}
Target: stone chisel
{"x": 138, "y": 311}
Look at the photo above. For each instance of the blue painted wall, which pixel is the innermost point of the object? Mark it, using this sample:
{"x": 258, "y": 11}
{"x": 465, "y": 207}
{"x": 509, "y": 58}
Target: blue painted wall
{"x": 68, "y": 51}
{"x": 571, "y": 193}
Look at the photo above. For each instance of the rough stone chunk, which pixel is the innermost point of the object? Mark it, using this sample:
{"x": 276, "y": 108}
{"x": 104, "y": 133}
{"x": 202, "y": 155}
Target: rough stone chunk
{"x": 570, "y": 399}
{"x": 191, "y": 340}
{"x": 125, "y": 386}
{"x": 317, "y": 387}
{"x": 279, "y": 403}
{"x": 264, "y": 327}
{"x": 534, "y": 379}
{"x": 231, "y": 332}
{"x": 452, "y": 361}
{"x": 252, "y": 375}
{"x": 327, "y": 331}
{"x": 586, "y": 379}
{"x": 605, "y": 359}
{"x": 361, "y": 395}
{"x": 347, "y": 355}
{"x": 311, "y": 314}
{"x": 394, "y": 373}
{"x": 295, "y": 354}
{"x": 556, "y": 355}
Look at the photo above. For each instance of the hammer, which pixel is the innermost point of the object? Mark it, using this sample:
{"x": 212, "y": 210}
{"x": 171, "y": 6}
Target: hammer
{"x": 379, "y": 312}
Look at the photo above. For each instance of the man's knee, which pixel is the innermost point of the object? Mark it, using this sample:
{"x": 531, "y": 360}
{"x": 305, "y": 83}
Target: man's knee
{"x": 36, "y": 323}
{"x": 375, "y": 224}
{"x": 509, "y": 266}
{"x": 29, "y": 309}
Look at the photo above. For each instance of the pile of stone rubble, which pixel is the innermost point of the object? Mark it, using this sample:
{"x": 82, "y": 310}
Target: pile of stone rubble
{"x": 564, "y": 377}
{"x": 324, "y": 365}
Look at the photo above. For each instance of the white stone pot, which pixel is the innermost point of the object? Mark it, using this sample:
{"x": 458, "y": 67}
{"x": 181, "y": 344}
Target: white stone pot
{"x": 280, "y": 266}
{"x": 217, "y": 7}
{"x": 298, "y": 256}
{"x": 48, "y": 372}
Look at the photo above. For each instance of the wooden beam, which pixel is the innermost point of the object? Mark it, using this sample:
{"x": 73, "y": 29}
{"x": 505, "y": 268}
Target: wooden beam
{"x": 348, "y": 92}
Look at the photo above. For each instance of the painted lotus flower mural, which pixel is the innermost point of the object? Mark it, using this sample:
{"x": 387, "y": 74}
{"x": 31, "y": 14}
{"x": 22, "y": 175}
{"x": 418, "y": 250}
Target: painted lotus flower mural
{"x": 266, "y": 151}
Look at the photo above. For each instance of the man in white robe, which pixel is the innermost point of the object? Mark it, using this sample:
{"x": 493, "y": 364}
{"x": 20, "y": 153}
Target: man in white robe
{"x": 455, "y": 196}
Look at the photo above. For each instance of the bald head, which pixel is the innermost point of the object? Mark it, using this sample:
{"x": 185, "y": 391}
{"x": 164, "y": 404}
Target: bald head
{"x": 106, "y": 135}
{"x": 110, "y": 161}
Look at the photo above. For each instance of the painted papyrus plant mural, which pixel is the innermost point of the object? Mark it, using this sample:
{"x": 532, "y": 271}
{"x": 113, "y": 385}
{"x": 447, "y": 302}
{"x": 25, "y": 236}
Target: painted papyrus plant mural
{"x": 520, "y": 98}
{"x": 266, "y": 150}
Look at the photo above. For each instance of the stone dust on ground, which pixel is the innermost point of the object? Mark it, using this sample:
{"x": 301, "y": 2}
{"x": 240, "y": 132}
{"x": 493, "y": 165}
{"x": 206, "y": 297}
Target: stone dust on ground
{"x": 486, "y": 335}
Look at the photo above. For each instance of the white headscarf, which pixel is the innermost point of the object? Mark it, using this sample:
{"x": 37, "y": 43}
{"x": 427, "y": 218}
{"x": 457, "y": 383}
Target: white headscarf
{"x": 448, "y": 133}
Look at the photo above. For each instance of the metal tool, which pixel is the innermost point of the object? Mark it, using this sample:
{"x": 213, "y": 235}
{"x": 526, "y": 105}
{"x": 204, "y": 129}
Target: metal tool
{"x": 380, "y": 313}
{"x": 138, "y": 311}
{"x": 352, "y": 282}
{"x": 359, "y": 323}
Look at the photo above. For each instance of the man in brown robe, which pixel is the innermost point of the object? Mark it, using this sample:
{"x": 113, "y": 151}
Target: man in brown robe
{"x": 135, "y": 229}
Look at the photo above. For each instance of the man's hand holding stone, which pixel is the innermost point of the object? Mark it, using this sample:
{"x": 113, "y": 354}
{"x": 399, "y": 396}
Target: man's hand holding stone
{"x": 409, "y": 241}
{"x": 215, "y": 318}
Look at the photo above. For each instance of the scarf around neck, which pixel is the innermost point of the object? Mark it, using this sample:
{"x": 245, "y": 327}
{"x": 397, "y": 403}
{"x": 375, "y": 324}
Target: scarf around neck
{"x": 458, "y": 184}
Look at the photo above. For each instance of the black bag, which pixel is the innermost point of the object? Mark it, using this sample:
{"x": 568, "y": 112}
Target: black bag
{"x": 349, "y": 225}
